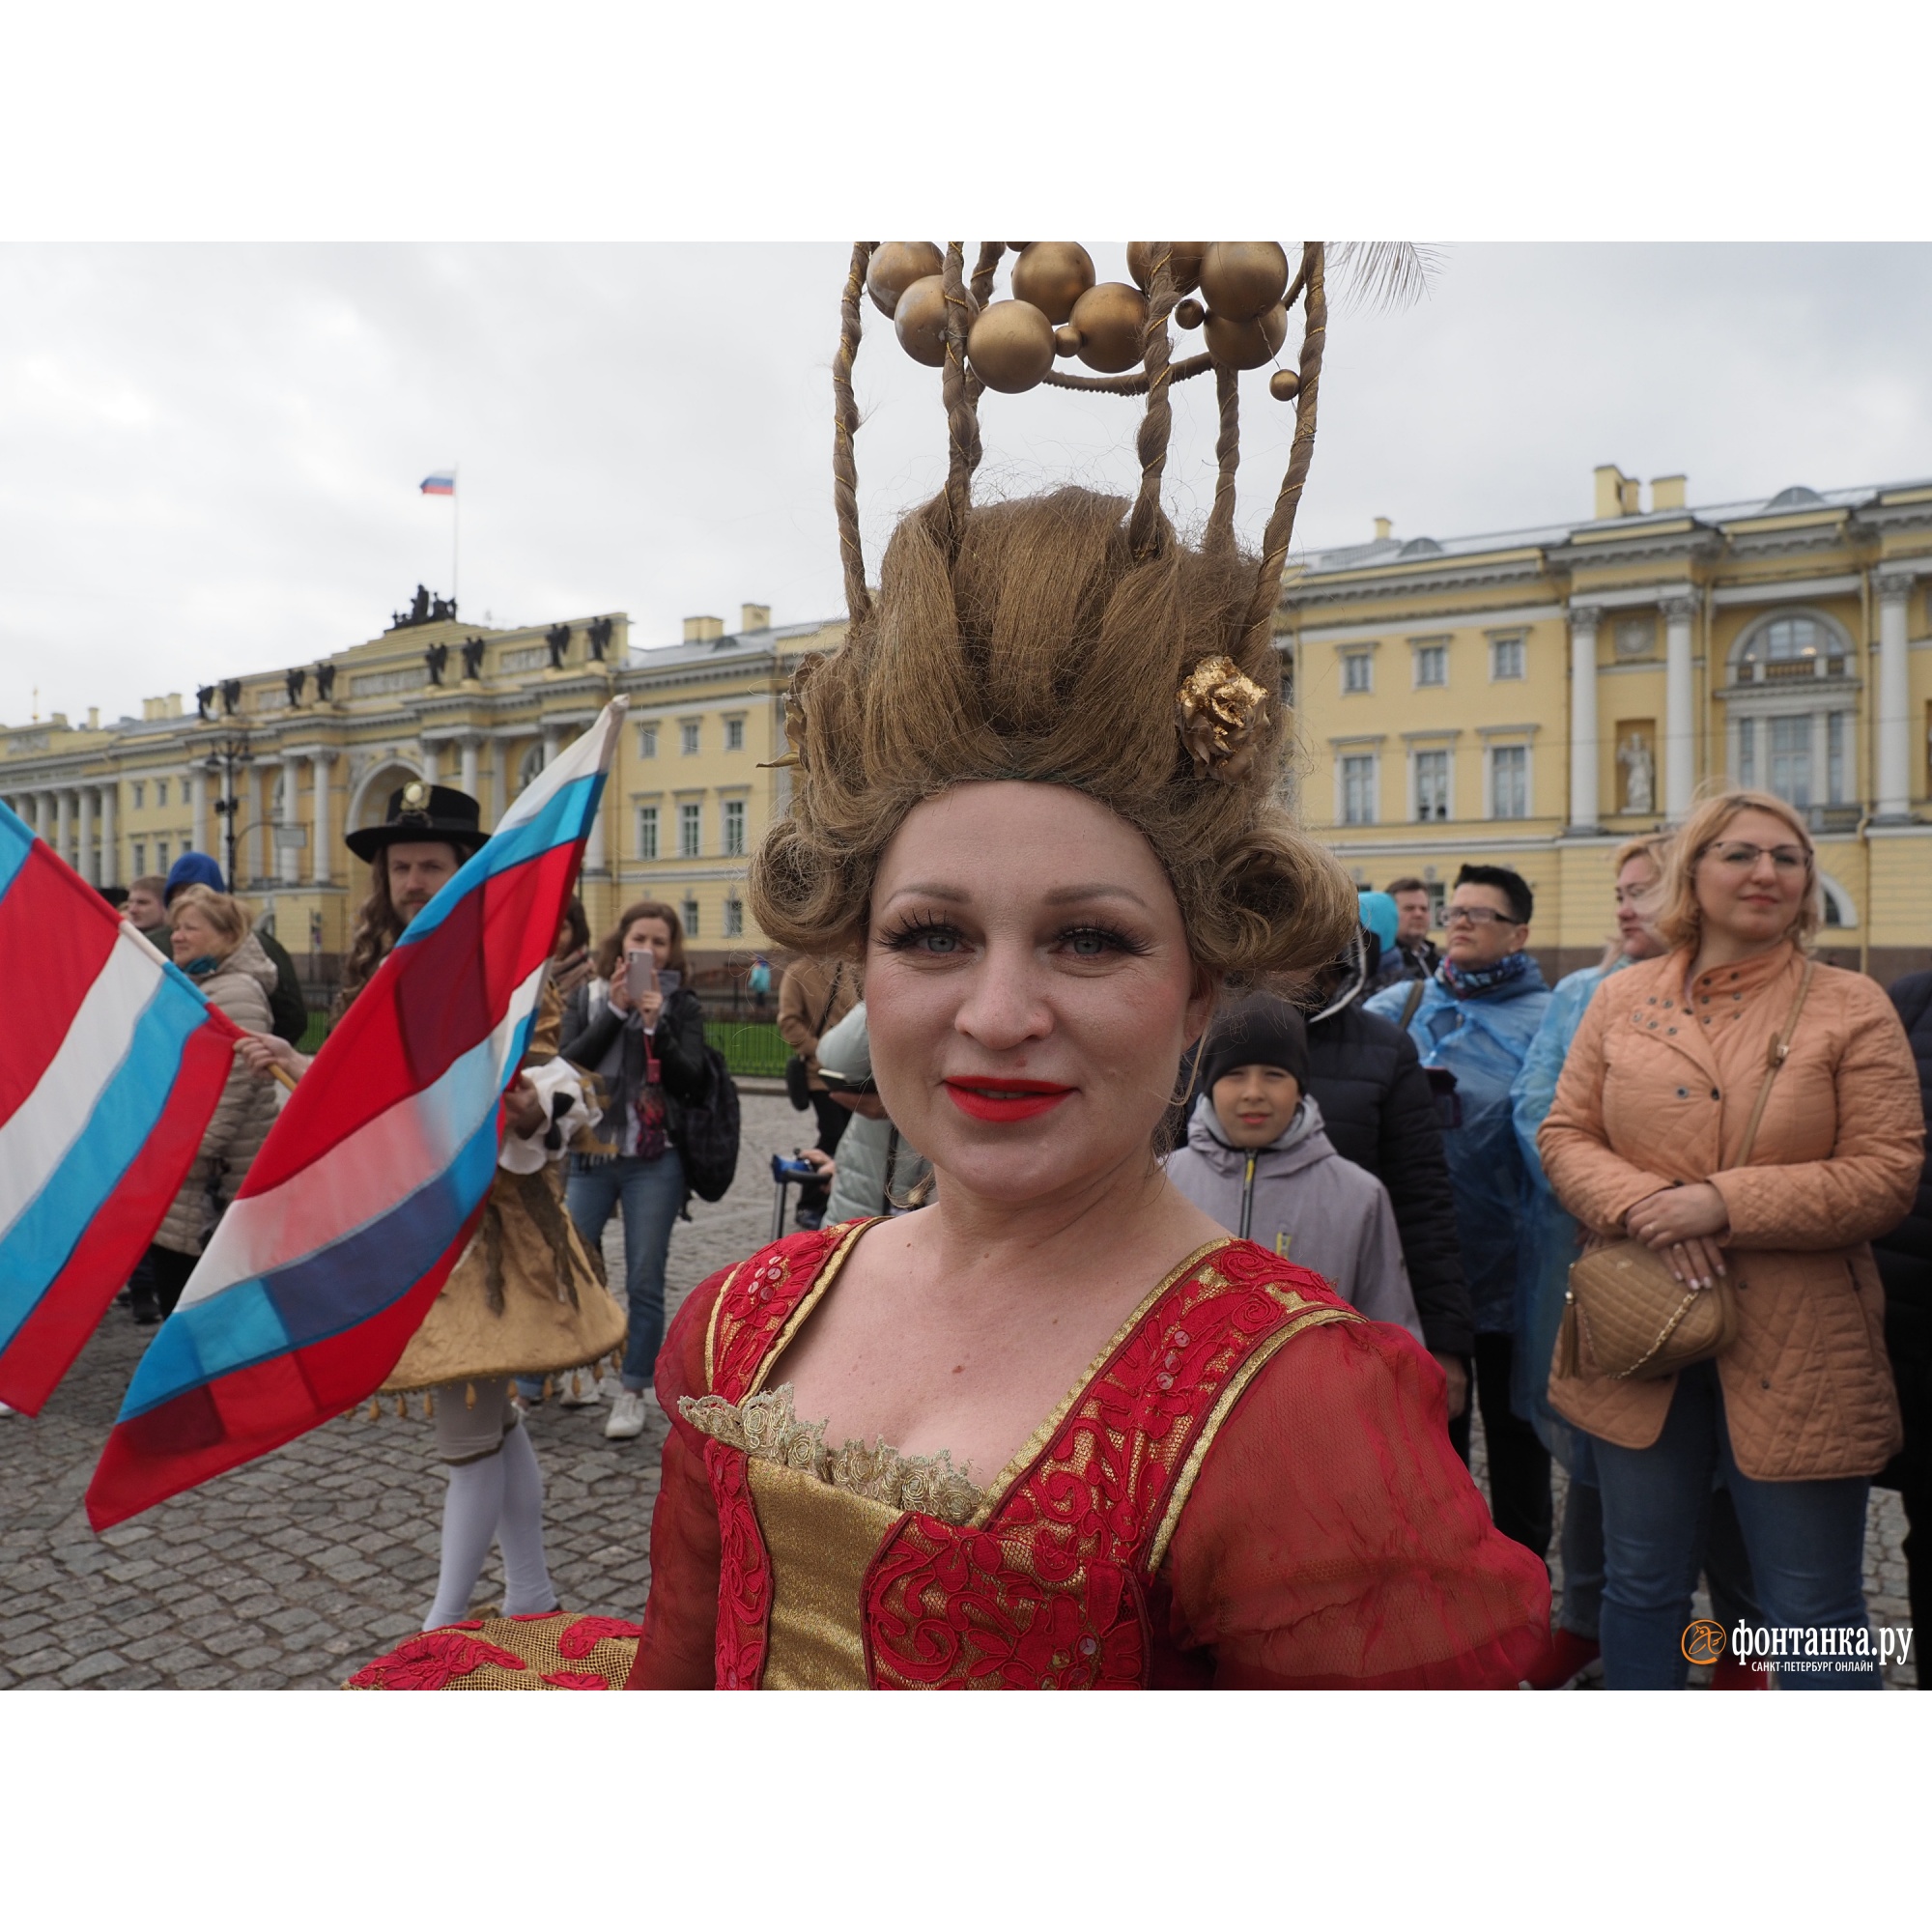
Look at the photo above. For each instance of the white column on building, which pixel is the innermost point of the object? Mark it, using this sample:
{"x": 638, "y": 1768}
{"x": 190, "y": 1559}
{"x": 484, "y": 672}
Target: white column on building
{"x": 429, "y": 755}
{"x": 552, "y": 738}
{"x": 197, "y": 783}
{"x": 498, "y": 800}
{"x": 1584, "y": 749}
{"x": 469, "y": 742}
{"x": 1891, "y": 734}
{"x": 1679, "y": 719}
{"x": 289, "y": 871}
{"x": 110, "y": 849}
{"x": 253, "y": 812}
{"x": 324, "y": 832}
{"x": 64, "y": 824}
{"x": 83, "y": 856}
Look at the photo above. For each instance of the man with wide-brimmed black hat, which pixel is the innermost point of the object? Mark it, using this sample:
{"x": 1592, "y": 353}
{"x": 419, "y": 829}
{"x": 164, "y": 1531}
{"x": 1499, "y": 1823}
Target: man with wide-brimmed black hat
{"x": 525, "y": 1296}
{"x": 427, "y": 833}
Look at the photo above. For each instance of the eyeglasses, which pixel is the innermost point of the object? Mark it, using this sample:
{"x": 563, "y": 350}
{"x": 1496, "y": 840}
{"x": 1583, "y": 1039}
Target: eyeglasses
{"x": 1741, "y": 858}
{"x": 1464, "y": 915}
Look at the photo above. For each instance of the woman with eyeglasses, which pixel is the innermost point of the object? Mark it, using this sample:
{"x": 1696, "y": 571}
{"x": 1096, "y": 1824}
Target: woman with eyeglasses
{"x": 1651, "y": 1113}
{"x": 1475, "y": 1019}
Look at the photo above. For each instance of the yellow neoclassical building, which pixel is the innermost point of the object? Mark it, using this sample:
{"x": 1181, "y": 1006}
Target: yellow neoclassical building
{"x": 1530, "y": 698}
{"x": 288, "y": 761}
{"x": 1533, "y": 698}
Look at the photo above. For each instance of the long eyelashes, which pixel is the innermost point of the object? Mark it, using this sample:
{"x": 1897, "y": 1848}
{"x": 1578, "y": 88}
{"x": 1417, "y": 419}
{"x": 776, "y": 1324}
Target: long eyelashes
{"x": 914, "y": 927}
{"x": 1085, "y": 941}
{"x": 1110, "y": 940}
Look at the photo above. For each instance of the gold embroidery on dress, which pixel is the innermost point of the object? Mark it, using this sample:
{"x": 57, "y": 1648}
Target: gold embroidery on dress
{"x": 766, "y": 1429}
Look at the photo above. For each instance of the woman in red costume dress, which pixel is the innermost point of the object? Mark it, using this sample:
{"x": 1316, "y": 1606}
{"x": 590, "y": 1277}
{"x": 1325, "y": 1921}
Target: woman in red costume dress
{"x": 1055, "y": 1429}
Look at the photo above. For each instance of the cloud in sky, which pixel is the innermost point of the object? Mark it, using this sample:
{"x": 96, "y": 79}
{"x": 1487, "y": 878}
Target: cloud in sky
{"x": 208, "y": 455}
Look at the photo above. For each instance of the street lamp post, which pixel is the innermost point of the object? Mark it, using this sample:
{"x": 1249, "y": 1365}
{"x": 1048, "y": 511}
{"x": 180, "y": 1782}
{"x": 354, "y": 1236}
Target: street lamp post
{"x": 223, "y": 757}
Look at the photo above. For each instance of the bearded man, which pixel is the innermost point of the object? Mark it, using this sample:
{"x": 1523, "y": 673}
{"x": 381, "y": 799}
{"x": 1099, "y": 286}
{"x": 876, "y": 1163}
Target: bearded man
{"x": 526, "y": 1298}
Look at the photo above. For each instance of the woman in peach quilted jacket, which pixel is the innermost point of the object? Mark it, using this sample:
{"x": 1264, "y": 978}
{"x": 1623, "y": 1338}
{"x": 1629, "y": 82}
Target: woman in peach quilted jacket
{"x": 1651, "y": 1112}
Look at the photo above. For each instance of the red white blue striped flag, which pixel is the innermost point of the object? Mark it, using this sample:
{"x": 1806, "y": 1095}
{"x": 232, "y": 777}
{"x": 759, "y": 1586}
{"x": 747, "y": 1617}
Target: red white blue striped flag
{"x": 441, "y": 484}
{"x": 373, "y": 1179}
{"x": 111, "y": 1063}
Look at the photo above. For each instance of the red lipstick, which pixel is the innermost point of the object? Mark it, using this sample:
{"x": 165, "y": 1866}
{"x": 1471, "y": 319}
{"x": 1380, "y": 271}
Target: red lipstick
{"x": 985, "y": 1099}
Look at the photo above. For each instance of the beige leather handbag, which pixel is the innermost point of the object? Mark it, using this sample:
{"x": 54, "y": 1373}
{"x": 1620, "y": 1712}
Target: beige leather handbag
{"x": 1637, "y": 1320}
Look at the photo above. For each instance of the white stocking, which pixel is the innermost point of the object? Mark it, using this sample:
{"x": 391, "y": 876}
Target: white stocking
{"x": 527, "y": 1584}
{"x": 471, "y": 1513}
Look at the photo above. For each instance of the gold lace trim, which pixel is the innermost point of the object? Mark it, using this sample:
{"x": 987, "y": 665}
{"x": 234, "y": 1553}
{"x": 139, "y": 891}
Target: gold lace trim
{"x": 764, "y": 1427}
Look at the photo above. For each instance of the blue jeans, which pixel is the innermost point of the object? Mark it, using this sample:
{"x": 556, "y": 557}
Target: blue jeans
{"x": 652, "y": 1192}
{"x": 1806, "y": 1542}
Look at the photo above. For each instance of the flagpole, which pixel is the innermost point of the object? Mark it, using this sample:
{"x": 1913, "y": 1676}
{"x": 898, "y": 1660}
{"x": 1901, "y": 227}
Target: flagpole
{"x": 455, "y": 512}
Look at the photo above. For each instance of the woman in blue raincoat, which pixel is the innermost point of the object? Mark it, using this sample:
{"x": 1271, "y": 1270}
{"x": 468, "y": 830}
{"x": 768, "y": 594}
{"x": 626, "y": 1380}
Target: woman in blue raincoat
{"x": 1475, "y": 1019}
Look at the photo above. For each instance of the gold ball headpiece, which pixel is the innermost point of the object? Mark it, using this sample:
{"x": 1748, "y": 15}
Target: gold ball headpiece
{"x": 1057, "y": 308}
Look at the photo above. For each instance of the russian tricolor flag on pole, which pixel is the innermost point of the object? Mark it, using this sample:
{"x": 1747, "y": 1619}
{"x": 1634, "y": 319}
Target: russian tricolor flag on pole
{"x": 111, "y": 1063}
{"x": 371, "y": 1182}
{"x": 441, "y": 484}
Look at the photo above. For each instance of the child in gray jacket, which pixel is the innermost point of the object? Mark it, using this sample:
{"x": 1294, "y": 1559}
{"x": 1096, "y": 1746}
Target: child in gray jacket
{"x": 1256, "y": 1160}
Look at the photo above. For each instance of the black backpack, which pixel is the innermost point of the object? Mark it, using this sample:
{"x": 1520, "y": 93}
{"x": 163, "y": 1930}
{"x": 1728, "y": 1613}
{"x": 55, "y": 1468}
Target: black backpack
{"x": 705, "y": 1131}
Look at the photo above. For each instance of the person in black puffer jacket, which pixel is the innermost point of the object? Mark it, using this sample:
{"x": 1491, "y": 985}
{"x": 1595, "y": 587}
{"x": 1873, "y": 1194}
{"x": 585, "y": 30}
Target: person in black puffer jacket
{"x": 1382, "y": 1113}
{"x": 1904, "y": 1266}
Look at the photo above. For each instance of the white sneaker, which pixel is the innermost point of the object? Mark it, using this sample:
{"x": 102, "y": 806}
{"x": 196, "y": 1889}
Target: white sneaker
{"x": 627, "y": 1415}
{"x": 578, "y": 1390}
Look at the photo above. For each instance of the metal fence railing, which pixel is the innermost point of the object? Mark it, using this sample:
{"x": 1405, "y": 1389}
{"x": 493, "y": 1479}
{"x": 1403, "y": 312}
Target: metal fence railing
{"x": 751, "y": 1047}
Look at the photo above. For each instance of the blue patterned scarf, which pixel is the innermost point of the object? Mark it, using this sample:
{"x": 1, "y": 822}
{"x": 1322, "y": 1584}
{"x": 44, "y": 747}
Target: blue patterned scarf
{"x": 1468, "y": 982}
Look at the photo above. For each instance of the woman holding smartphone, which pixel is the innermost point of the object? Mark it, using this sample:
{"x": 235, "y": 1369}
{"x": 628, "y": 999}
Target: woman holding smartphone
{"x": 640, "y": 1029}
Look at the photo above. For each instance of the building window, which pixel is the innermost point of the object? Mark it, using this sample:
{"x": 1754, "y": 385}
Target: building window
{"x": 734, "y": 918}
{"x": 689, "y": 910}
{"x": 1791, "y": 648}
{"x": 140, "y": 857}
{"x": 1358, "y": 788}
{"x": 1432, "y": 666}
{"x": 686, "y": 735}
{"x": 1357, "y": 671}
{"x": 690, "y": 831}
{"x": 1431, "y": 787}
{"x": 160, "y": 855}
{"x": 1506, "y": 656}
{"x": 647, "y": 741}
{"x": 647, "y": 832}
{"x": 1790, "y": 759}
{"x": 161, "y": 791}
{"x": 1509, "y": 782}
{"x": 734, "y": 734}
{"x": 140, "y": 795}
{"x": 735, "y": 828}
{"x": 1835, "y": 758}
{"x": 1747, "y": 754}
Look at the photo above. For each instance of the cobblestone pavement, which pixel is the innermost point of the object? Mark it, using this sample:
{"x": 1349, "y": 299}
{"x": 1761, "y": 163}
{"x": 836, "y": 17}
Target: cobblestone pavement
{"x": 293, "y": 1571}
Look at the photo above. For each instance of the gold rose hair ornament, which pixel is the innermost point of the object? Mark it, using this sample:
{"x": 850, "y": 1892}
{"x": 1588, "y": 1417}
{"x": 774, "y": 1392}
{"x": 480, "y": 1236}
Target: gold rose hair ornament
{"x": 1220, "y": 713}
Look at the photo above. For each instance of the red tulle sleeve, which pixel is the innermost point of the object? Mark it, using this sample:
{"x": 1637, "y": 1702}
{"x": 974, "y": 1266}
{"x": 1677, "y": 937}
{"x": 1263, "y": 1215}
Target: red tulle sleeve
{"x": 678, "y": 1650}
{"x": 1334, "y": 1539}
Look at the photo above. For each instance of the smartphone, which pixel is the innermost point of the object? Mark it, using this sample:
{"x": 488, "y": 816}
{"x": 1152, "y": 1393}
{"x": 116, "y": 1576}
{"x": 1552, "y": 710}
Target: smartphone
{"x": 640, "y": 974}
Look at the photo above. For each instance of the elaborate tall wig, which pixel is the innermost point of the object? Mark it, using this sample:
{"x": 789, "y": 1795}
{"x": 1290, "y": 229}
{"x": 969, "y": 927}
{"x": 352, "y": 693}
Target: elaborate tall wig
{"x": 1071, "y": 637}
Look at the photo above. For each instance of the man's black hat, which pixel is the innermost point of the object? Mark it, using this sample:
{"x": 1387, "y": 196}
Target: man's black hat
{"x": 419, "y": 812}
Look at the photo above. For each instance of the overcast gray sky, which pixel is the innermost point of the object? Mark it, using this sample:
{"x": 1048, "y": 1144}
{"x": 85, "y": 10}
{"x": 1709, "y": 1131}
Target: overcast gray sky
{"x": 208, "y": 455}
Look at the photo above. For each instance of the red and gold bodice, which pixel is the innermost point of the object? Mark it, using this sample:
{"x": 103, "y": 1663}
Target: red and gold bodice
{"x": 1089, "y": 1562}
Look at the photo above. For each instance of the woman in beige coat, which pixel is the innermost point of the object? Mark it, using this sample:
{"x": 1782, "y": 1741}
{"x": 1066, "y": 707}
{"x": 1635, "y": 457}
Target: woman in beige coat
{"x": 214, "y": 945}
{"x": 1651, "y": 1109}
